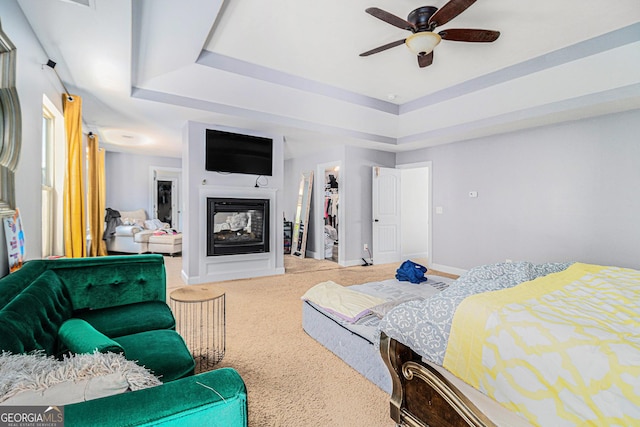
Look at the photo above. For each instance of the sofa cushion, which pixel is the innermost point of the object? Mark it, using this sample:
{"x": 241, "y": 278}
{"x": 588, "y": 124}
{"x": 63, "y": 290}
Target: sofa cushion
{"x": 128, "y": 230}
{"x": 130, "y": 319}
{"x": 143, "y": 236}
{"x": 166, "y": 239}
{"x": 15, "y": 283}
{"x": 101, "y": 282}
{"x": 132, "y": 216}
{"x": 32, "y": 319}
{"x": 215, "y": 398}
{"x": 78, "y": 336}
{"x": 163, "y": 352}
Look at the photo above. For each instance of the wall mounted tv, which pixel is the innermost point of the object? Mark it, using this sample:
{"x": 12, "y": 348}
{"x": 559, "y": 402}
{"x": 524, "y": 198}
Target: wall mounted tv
{"x": 237, "y": 153}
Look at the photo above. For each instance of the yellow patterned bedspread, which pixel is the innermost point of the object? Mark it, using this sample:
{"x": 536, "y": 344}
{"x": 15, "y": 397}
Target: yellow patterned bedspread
{"x": 561, "y": 350}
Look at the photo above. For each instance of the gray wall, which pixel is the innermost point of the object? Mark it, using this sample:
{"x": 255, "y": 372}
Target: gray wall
{"x": 128, "y": 179}
{"x": 357, "y": 192}
{"x": 293, "y": 169}
{"x": 355, "y": 195}
{"x": 557, "y": 193}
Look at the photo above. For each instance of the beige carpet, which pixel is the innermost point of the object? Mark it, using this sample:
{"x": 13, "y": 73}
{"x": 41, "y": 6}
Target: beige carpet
{"x": 291, "y": 379}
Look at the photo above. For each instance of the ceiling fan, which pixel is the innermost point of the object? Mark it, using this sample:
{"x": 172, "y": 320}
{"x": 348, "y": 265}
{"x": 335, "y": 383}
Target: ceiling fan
{"x": 422, "y": 22}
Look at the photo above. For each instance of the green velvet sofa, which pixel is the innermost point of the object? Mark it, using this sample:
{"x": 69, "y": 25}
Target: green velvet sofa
{"x": 116, "y": 304}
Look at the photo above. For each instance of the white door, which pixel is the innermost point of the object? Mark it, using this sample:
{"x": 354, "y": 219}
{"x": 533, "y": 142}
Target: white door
{"x": 386, "y": 215}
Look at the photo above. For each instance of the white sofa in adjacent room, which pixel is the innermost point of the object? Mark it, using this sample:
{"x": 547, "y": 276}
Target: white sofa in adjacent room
{"x": 131, "y": 235}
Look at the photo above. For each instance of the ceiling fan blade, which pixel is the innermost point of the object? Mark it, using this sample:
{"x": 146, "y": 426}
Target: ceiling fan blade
{"x": 449, "y": 11}
{"x": 390, "y": 18}
{"x": 425, "y": 60}
{"x": 383, "y": 47}
{"x": 469, "y": 35}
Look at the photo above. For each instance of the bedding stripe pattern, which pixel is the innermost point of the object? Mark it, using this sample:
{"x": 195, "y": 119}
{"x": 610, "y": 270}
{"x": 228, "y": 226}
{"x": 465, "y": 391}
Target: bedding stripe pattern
{"x": 561, "y": 350}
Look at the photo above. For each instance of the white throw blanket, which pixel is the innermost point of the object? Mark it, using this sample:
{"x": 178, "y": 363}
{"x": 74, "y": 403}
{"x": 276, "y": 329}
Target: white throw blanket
{"x": 76, "y": 378}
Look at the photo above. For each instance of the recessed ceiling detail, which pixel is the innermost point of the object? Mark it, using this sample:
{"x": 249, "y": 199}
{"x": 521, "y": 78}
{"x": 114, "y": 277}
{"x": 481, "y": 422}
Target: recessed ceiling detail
{"x": 422, "y": 23}
{"x": 224, "y": 63}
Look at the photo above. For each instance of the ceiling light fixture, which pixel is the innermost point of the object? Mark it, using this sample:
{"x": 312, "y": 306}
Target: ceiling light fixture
{"x": 423, "y": 43}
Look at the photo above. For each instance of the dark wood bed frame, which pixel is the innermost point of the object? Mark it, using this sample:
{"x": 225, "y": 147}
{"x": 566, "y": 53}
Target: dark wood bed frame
{"x": 421, "y": 396}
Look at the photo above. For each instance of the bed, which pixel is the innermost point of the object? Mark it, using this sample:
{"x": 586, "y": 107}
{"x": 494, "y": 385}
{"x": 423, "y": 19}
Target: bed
{"x": 354, "y": 335}
{"x": 508, "y": 344}
{"x": 556, "y": 344}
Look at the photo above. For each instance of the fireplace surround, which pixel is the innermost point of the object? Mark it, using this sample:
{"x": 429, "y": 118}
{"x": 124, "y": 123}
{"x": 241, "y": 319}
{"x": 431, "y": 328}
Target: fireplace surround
{"x": 237, "y": 226}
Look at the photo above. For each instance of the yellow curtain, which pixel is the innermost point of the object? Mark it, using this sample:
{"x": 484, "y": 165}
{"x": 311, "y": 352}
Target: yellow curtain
{"x": 75, "y": 241}
{"x": 97, "y": 196}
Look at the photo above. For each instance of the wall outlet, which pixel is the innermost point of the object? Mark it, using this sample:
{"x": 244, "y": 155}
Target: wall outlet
{"x": 366, "y": 247}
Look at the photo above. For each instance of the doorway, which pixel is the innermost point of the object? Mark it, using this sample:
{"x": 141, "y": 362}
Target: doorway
{"x": 166, "y": 198}
{"x": 329, "y": 213}
{"x": 402, "y": 213}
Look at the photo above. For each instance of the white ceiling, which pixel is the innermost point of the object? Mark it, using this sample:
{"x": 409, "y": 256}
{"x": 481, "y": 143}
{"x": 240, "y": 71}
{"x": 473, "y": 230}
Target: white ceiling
{"x": 291, "y": 67}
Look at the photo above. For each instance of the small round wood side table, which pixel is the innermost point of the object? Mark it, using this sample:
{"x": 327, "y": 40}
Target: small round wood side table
{"x": 200, "y": 320}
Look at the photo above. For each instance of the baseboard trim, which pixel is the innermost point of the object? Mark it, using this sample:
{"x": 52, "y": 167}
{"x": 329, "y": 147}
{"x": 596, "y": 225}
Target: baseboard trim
{"x": 353, "y": 263}
{"x": 448, "y": 269}
{"x": 417, "y": 255}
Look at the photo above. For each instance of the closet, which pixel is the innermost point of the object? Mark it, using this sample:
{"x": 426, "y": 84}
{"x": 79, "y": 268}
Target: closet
{"x": 331, "y": 206}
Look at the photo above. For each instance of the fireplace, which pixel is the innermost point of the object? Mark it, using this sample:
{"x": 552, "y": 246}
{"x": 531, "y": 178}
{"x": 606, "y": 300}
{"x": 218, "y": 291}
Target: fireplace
{"x": 237, "y": 226}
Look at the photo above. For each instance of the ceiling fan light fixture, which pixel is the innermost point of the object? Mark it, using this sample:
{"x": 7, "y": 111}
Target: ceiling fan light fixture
{"x": 423, "y": 43}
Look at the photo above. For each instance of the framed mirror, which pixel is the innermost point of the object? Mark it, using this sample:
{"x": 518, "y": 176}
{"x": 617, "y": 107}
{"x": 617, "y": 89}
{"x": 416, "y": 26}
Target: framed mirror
{"x": 10, "y": 125}
{"x": 301, "y": 223}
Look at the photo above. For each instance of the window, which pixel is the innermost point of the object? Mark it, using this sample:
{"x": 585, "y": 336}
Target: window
{"x": 47, "y": 147}
{"x": 52, "y": 179}
{"x": 48, "y": 221}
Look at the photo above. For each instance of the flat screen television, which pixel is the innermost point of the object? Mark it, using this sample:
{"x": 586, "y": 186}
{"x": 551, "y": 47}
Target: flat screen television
{"x": 237, "y": 153}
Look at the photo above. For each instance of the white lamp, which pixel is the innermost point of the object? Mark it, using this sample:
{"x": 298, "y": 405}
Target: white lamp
{"x": 423, "y": 42}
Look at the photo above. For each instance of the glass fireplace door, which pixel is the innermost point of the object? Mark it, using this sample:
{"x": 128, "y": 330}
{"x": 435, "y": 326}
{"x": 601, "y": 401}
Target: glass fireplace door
{"x": 237, "y": 226}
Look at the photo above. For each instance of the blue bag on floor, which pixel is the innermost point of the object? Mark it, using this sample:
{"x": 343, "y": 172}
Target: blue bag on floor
{"x": 412, "y": 272}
